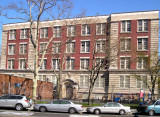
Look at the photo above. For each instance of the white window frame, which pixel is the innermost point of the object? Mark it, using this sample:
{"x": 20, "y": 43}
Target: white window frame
{"x": 124, "y": 81}
{"x": 142, "y": 84}
{"x": 126, "y": 26}
{"x": 143, "y": 44}
{"x": 85, "y": 60}
{"x": 85, "y": 28}
{"x": 11, "y": 63}
{"x": 142, "y": 25}
{"x": 71, "y": 63}
{"x": 56, "y": 49}
{"x": 72, "y": 29}
{"x": 22, "y": 63}
{"x": 126, "y": 59}
{"x": 24, "y": 33}
{"x": 99, "y": 83}
{"x": 126, "y": 42}
{"x": 12, "y": 50}
{"x": 42, "y": 47}
{"x": 43, "y": 66}
{"x": 85, "y": 50}
{"x": 44, "y": 30}
{"x": 57, "y": 31}
{"x": 142, "y": 62}
{"x": 102, "y": 25}
{"x": 102, "y": 47}
{"x": 83, "y": 81}
{"x": 43, "y": 77}
{"x": 24, "y": 48}
{"x": 54, "y": 80}
{"x": 12, "y": 34}
{"x": 57, "y": 63}
{"x": 70, "y": 47}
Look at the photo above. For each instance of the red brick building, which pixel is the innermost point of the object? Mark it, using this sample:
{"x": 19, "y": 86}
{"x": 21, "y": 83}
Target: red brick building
{"x": 23, "y": 86}
{"x": 134, "y": 33}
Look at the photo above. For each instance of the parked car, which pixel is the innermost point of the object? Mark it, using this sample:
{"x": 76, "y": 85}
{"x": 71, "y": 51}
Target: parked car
{"x": 110, "y": 107}
{"x": 59, "y": 106}
{"x": 18, "y": 102}
{"x": 150, "y": 108}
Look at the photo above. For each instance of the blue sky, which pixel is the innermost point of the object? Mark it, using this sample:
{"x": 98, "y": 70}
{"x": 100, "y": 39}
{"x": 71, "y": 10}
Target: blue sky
{"x": 102, "y": 7}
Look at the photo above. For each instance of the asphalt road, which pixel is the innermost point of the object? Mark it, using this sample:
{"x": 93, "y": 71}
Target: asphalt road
{"x": 26, "y": 113}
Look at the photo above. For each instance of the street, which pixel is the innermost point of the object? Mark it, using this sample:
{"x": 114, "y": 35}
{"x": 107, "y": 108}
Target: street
{"x": 28, "y": 113}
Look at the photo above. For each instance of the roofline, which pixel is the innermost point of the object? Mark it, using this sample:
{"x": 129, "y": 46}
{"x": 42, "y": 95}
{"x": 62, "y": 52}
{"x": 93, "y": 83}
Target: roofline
{"x": 134, "y": 12}
{"x": 59, "y": 19}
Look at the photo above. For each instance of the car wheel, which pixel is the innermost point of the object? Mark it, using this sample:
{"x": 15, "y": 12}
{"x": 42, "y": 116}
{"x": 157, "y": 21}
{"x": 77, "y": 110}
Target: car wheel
{"x": 43, "y": 109}
{"x": 72, "y": 110}
{"x": 97, "y": 111}
{"x": 19, "y": 107}
{"x": 121, "y": 112}
{"x": 151, "y": 112}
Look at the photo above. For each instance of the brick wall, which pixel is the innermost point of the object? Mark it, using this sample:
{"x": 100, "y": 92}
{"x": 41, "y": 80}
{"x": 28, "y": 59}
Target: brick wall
{"x": 44, "y": 89}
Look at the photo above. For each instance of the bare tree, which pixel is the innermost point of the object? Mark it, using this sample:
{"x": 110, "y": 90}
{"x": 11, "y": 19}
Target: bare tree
{"x": 35, "y": 11}
{"x": 152, "y": 67}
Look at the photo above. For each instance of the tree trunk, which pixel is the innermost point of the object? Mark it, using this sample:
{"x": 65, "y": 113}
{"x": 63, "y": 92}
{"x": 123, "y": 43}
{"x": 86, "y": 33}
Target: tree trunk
{"x": 152, "y": 94}
{"x": 90, "y": 94}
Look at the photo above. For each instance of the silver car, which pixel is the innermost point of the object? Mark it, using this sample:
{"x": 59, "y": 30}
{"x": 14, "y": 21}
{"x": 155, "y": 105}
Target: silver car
{"x": 15, "y": 101}
{"x": 110, "y": 107}
{"x": 59, "y": 106}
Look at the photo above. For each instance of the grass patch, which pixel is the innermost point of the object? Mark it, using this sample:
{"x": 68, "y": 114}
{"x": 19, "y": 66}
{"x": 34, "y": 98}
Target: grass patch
{"x": 86, "y": 105}
{"x": 133, "y": 106}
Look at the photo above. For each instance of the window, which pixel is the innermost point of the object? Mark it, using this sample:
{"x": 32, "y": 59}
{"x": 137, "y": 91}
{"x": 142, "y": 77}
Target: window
{"x": 10, "y": 64}
{"x": 44, "y": 64}
{"x": 85, "y": 46}
{"x": 142, "y": 43}
{"x": 99, "y": 61}
{"x": 99, "y": 82}
{"x": 57, "y": 31}
{"x": 142, "y": 63}
{"x": 71, "y": 30}
{"x": 11, "y": 49}
{"x": 69, "y": 63}
{"x": 56, "y": 47}
{"x": 55, "y": 63}
{"x": 84, "y": 63}
{"x": 22, "y": 64}
{"x": 12, "y": 34}
{"x": 124, "y": 81}
{"x": 86, "y": 29}
{"x": 126, "y": 26}
{"x": 24, "y": 34}
{"x": 42, "y": 77}
{"x": 65, "y": 102}
{"x": 70, "y": 47}
{"x": 125, "y": 63}
{"x": 101, "y": 29}
{"x": 141, "y": 82}
{"x": 44, "y": 32}
{"x": 84, "y": 81}
{"x": 42, "y": 47}
{"x": 23, "y": 49}
{"x": 54, "y": 80}
{"x": 142, "y": 25}
{"x": 56, "y": 102}
{"x": 100, "y": 46}
{"x": 125, "y": 44}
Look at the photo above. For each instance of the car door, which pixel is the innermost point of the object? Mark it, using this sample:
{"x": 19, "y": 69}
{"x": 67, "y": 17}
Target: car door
{"x": 106, "y": 108}
{"x": 3, "y": 101}
{"x": 53, "y": 106}
{"x": 64, "y": 106}
{"x": 12, "y": 101}
{"x": 115, "y": 108}
{"x": 157, "y": 107}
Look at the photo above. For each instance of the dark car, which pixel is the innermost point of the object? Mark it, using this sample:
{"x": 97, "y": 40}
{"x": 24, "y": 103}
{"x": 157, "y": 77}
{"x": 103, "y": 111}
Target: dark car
{"x": 141, "y": 109}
